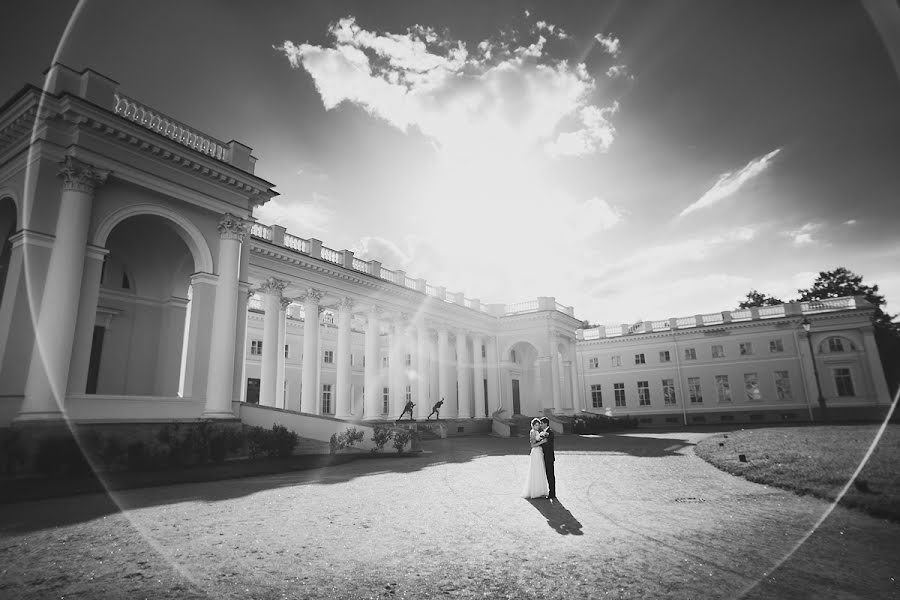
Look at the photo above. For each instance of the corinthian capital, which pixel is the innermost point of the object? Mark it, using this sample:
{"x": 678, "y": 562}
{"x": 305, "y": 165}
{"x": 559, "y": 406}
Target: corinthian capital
{"x": 312, "y": 295}
{"x": 232, "y": 227}
{"x": 81, "y": 177}
{"x": 346, "y": 304}
{"x": 273, "y": 286}
{"x": 286, "y": 302}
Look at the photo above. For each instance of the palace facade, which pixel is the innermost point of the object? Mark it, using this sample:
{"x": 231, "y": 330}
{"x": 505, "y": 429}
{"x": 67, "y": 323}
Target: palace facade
{"x": 138, "y": 287}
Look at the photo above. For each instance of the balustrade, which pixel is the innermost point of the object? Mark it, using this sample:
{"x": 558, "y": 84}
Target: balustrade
{"x": 332, "y": 256}
{"x": 388, "y": 275}
{"x": 295, "y": 243}
{"x": 170, "y": 128}
{"x": 261, "y": 231}
{"x": 360, "y": 265}
{"x": 662, "y": 325}
{"x": 411, "y": 283}
{"x": 769, "y": 312}
{"x": 521, "y": 307}
{"x": 712, "y": 319}
{"x": 743, "y": 314}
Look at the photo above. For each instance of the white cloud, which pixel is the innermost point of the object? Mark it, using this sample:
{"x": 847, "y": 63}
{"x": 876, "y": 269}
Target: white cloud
{"x": 303, "y": 218}
{"x": 617, "y": 71}
{"x": 729, "y": 183}
{"x": 610, "y": 44}
{"x": 384, "y": 251}
{"x": 850, "y": 222}
{"x": 804, "y": 235}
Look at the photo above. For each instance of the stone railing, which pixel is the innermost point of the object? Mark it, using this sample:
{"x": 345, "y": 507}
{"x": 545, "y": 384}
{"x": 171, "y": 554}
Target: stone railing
{"x": 791, "y": 309}
{"x": 521, "y": 307}
{"x": 295, "y": 243}
{"x": 261, "y": 231}
{"x": 170, "y": 128}
{"x": 332, "y": 256}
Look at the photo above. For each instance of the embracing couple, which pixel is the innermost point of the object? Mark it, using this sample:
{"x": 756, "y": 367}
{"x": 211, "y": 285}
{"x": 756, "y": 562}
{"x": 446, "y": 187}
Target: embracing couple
{"x": 540, "y": 481}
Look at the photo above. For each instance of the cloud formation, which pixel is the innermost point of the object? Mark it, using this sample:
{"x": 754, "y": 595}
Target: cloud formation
{"x": 804, "y": 235}
{"x": 729, "y": 183}
{"x": 510, "y": 95}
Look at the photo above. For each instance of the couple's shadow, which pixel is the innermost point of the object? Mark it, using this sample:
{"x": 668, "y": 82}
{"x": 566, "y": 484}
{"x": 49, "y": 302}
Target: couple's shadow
{"x": 558, "y": 516}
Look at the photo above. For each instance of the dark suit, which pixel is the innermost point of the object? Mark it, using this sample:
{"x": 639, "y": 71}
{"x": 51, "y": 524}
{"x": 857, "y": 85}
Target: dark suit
{"x": 549, "y": 459}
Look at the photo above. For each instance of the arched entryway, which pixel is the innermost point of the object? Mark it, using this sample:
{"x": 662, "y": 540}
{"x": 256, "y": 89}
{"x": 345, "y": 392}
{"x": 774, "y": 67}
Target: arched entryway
{"x": 143, "y": 304}
{"x": 521, "y": 378}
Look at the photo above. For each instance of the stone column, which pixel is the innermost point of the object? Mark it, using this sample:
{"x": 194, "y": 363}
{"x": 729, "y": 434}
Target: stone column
{"x": 371, "y": 409}
{"x": 268, "y": 373}
{"x": 87, "y": 317}
{"x": 493, "y": 377}
{"x": 397, "y": 367}
{"x": 881, "y": 392}
{"x": 478, "y": 375}
{"x": 576, "y": 388}
{"x": 240, "y": 375}
{"x": 48, "y": 372}
{"x": 280, "y": 397}
{"x": 311, "y": 358}
{"x": 220, "y": 376}
{"x": 462, "y": 381}
{"x": 445, "y": 391}
{"x": 422, "y": 375}
{"x": 555, "y": 376}
{"x": 343, "y": 401}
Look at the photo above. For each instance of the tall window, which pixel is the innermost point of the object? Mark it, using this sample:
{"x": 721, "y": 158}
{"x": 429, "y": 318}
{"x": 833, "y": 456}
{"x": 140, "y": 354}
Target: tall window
{"x": 619, "y": 393}
{"x": 843, "y": 382}
{"x": 287, "y": 350}
{"x": 512, "y": 356}
{"x": 664, "y": 356}
{"x": 593, "y": 362}
{"x": 776, "y": 346}
{"x": 385, "y": 400}
{"x": 639, "y": 359}
{"x": 385, "y": 361}
{"x": 329, "y": 356}
{"x": 783, "y": 386}
{"x": 694, "y": 391}
{"x": 668, "y": 386}
{"x": 723, "y": 388}
{"x": 326, "y": 398}
{"x": 751, "y": 386}
{"x": 615, "y": 361}
{"x": 746, "y": 348}
{"x": 596, "y": 396}
{"x": 483, "y": 351}
{"x": 408, "y": 393}
{"x": 256, "y": 347}
{"x": 836, "y": 344}
{"x": 643, "y": 393}
{"x": 409, "y": 360}
{"x": 718, "y": 351}
{"x": 690, "y": 354}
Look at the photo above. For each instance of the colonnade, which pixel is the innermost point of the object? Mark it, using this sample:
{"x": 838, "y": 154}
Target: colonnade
{"x": 422, "y": 363}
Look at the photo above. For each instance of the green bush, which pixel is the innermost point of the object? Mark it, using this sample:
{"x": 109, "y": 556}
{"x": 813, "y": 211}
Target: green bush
{"x": 401, "y": 438}
{"x": 381, "y": 436}
{"x": 278, "y": 441}
{"x": 345, "y": 439}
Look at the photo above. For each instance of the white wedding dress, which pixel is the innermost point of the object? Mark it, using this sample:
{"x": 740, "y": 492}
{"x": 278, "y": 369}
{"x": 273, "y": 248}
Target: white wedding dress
{"x": 536, "y": 485}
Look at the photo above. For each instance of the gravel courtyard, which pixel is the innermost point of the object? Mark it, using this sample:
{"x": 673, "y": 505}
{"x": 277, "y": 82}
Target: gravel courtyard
{"x": 638, "y": 516}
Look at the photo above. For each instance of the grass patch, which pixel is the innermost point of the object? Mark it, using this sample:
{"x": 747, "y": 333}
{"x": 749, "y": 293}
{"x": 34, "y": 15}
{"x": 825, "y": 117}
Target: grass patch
{"x": 816, "y": 460}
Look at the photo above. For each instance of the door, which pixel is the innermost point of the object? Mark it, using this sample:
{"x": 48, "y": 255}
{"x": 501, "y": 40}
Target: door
{"x": 517, "y": 408}
{"x": 94, "y": 362}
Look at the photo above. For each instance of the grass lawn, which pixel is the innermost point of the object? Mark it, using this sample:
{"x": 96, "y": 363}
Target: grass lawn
{"x": 817, "y": 460}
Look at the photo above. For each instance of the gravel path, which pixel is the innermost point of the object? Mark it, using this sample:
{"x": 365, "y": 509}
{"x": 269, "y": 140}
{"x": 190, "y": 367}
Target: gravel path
{"x": 639, "y": 516}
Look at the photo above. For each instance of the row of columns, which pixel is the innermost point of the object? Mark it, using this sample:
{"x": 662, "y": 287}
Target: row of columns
{"x": 450, "y": 377}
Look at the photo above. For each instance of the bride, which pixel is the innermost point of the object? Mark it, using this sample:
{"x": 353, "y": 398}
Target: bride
{"x": 536, "y": 485}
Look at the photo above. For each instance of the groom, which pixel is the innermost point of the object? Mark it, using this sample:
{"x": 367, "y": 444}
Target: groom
{"x": 549, "y": 458}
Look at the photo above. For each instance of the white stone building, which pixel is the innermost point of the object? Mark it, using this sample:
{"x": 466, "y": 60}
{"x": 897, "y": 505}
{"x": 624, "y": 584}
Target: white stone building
{"x": 137, "y": 287}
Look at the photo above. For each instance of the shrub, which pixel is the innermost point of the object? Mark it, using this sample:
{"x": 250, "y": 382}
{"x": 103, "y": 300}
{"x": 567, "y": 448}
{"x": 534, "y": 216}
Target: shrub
{"x": 381, "y": 436}
{"x": 345, "y": 439}
{"x": 401, "y": 438}
{"x": 283, "y": 441}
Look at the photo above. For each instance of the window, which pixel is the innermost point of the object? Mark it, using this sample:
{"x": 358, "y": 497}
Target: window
{"x": 287, "y": 350}
{"x": 776, "y": 346}
{"x": 329, "y": 356}
{"x": 836, "y": 344}
{"x": 385, "y": 361}
{"x": 512, "y": 356}
{"x": 694, "y": 391}
{"x": 643, "y": 393}
{"x": 690, "y": 354}
{"x": 746, "y": 348}
{"x": 664, "y": 356}
{"x": 616, "y": 361}
{"x": 596, "y": 396}
{"x": 409, "y": 360}
{"x": 639, "y": 359}
{"x": 409, "y": 393}
{"x": 619, "y": 393}
{"x": 718, "y": 351}
{"x": 723, "y": 388}
{"x": 386, "y": 400}
{"x": 594, "y": 362}
{"x": 351, "y": 360}
{"x": 326, "y": 398}
{"x": 843, "y": 382}
{"x": 783, "y": 386}
{"x": 256, "y": 347}
{"x": 751, "y": 386}
{"x": 668, "y": 386}
{"x": 483, "y": 351}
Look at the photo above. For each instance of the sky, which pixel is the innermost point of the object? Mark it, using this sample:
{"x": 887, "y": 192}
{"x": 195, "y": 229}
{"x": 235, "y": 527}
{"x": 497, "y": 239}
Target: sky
{"x": 635, "y": 160}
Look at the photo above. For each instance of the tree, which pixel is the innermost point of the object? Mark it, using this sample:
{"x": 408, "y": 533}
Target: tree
{"x": 842, "y": 282}
{"x": 755, "y": 298}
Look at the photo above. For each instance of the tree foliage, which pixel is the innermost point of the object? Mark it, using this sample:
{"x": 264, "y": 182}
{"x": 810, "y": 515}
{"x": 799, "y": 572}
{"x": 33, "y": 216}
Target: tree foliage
{"x": 756, "y": 298}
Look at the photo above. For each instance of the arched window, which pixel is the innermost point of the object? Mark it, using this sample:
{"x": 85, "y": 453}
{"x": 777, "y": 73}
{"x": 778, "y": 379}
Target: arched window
{"x": 839, "y": 344}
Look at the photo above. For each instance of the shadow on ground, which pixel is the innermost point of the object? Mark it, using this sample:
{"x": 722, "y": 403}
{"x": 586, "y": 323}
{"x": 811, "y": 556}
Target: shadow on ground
{"x": 73, "y": 505}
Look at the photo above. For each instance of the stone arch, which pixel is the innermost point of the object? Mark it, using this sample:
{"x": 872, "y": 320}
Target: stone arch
{"x": 185, "y": 229}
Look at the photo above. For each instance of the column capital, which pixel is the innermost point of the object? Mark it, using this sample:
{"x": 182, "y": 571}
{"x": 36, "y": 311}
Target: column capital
{"x": 345, "y": 304}
{"x": 286, "y": 302}
{"x": 232, "y": 227}
{"x": 312, "y": 295}
{"x": 273, "y": 286}
{"x": 81, "y": 177}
